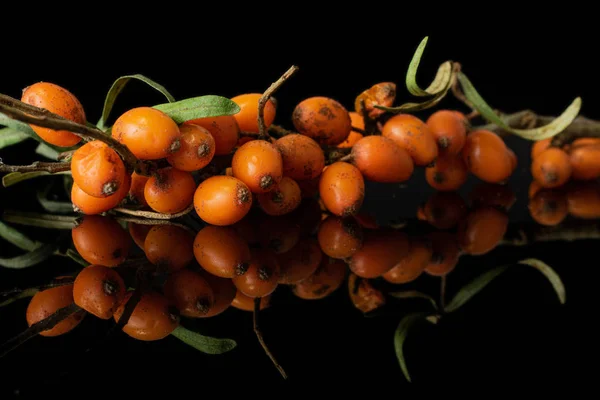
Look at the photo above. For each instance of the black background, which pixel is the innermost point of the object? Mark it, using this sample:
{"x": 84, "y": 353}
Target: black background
{"x": 514, "y": 331}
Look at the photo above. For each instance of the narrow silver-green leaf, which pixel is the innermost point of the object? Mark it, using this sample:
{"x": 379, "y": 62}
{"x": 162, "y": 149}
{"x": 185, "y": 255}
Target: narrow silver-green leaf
{"x": 411, "y": 74}
{"x": 73, "y": 255}
{"x": 10, "y": 136}
{"x": 22, "y": 295}
{"x": 414, "y": 294}
{"x": 400, "y": 337}
{"x": 205, "y": 344}
{"x": 543, "y": 132}
{"x": 15, "y": 237}
{"x": 49, "y": 221}
{"x": 30, "y": 259}
{"x": 119, "y": 85}
{"x": 199, "y": 107}
{"x": 46, "y": 151}
{"x": 468, "y": 291}
{"x": 15, "y": 177}
{"x": 550, "y": 274}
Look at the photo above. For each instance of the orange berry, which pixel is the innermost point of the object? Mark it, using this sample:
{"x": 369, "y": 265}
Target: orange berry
{"x": 279, "y": 234}
{"x": 262, "y": 276}
{"x": 224, "y": 292}
{"x": 283, "y": 199}
{"x": 412, "y": 266}
{"x": 342, "y": 188}
{"x": 309, "y": 188}
{"x": 482, "y": 230}
{"x": 448, "y": 130}
{"x": 259, "y": 165}
{"x": 170, "y": 190}
{"x": 585, "y": 141}
{"x": 412, "y": 135}
{"x": 357, "y": 122}
{"x": 196, "y": 151}
{"x": 99, "y": 290}
{"x": 340, "y": 237}
{"x": 224, "y": 130}
{"x": 549, "y": 207}
{"x": 302, "y": 157}
{"x": 169, "y": 247}
{"x": 247, "y": 118}
{"x": 59, "y": 101}
{"x": 585, "y": 161}
{"x": 584, "y": 200}
{"x": 492, "y": 195}
{"x": 380, "y": 94}
{"x": 150, "y": 134}
{"x": 539, "y": 146}
{"x": 445, "y": 253}
{"x": 138, "y": 233}
{"x": 221, "y": 251}
{"x": 551, "y": 168}
{"x": 486, "y": 156}
{"x": 444, "y": 210}
{"x": 152, "y": 318}
{"x": 328, "y": 277}
{"x": 245, "y": 303}
{"x": 91, "y": 205}
{"x": 322, "y": 119}
{"x": 101, "y": 240}
{"x": 534, "y": 188}
{"x": 363, "y": 295}
{"x": 136, "y": 190}
{"x": 97, "y": 169}
{"x": 222, "y": 200}
{"x": 45, "y": 303}
{"x": 448, "y": 173}
{"x": 380, "y": 252}
{"x": 300, "y": 262}
{"x": 379, "y": 159}
{"x": 190, "y": 293}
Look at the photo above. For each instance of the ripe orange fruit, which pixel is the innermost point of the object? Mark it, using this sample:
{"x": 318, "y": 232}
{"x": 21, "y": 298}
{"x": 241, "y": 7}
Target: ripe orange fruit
{"x": 245, "y": 303}
{"x": 101, "y": 240}
{"x": 486, "y": 156}
{"x": 445, "y": 253}
{"x": 412, "y": 266}
{"x": 283, "y": 199}
{"x": 340, "y": 237}
{"x": 357, "y": 122}
{"x": 379, "y": 159}
{"x": 247, "y": 118}
{"x": 551, "y": 168}
{"x": 585, "y": 161}
{"x": 259, "y": 165}
{"x": 46, "y": 302}
{"x": 414, "y": 136}
{"x": 196, "y": 151}
{"x": 224, "y": 130}
{"x": 152, "y": 318}
{"x": 97, "y": 169}
{"x": 342, "y": 189}
{"x": 99, "y": 290}
{"x": 448, "y": 173}
{"x": 449, "y": 131}
{"x": 222, "y": 200}
{"x": 190, "y": 293}
{"x": 549, "y": 207}
{"x": 380, "y": 94}
{"x": 169, "y": 247}
{"x": 224, "y": 292}
{"x": 262, "y": 276}
{"x": 482, "y": 230}
{"x": 323, "y": 119}
{"x": 327, "y": 279}
{"x": 538, "y": 146}
{"x": 380, "y": 252}
{"x": 302, "y": 157}
{"x": 90, "y": 205}
{"x": 221, "y": 251}
{"x": 170, "y": 190}
{"x": 300, "y": 262}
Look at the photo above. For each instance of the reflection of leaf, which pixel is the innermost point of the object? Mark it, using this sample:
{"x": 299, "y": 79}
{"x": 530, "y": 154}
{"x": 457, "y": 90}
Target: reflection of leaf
{"x": 46, "y": 151}
{"x": 15, "y": 177}
{"x": 543, "y": 132}
{"x": 199, "y": 107}
{"x": 15, "y": 237}
{"x": 550, "y": 274}
{"x": 10, "y": 136}
{"x": 22, "y": 295}
{"x": 73, "y": 255}
{"x": 400, "y": 337}
{"x": 414, "y": 294}
{"x": 472, "y": 288}
{"x": 30, "y": 259}
{"x": 50, "y": 221}
{"x": 205, "y": 344}
{"x": 53, "y": 206}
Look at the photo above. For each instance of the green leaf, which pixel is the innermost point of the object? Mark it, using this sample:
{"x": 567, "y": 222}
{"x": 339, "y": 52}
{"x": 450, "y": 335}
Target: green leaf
{"x": 205, "y": 344}
{"x": 414, "y": 294}
{"x": 73, "y": 255}
{"x": 199, "y": 107}
{"x": 472, "y": 288}
{"x": 15, "y": 237}
{"x": 32, "y": 258}
{"x": 118, "y": 86}
{"x": 49, "y": 221}
{"x": 22, "y": 295}
{"x": 411, "y": 74}
{"x": 543, "y": 132}
{"x": 10, "y": 136}
{"x": 46, "y": 151}
{"x": 550, "y": 274}
{"x": 400, "y": 337}
{"x": 53, "y": 206}
{"x": 16, "y": 177}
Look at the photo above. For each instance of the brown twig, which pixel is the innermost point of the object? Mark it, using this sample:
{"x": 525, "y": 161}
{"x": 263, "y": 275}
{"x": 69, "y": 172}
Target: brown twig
{"x": 51, "y": 167}
{"x": 262, "y": 102}
{"x": 40, "y": 117}
{"x": 249, "y": 134}
{"x": 457, "y": 90}
{"x": 279, "y": 131}
{"x": 361, "y": 131}
{"x": 66, "y": 155}
{"x": 262, "y": 341}
{"x": 154, "y": 215}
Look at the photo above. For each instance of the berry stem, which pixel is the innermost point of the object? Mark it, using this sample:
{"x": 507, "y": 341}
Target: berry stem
{"x": 259, "y": 336}
{"x": 51, "y": 167}
{"x": 279, "y": 131}
{"x": 262, "y": 102}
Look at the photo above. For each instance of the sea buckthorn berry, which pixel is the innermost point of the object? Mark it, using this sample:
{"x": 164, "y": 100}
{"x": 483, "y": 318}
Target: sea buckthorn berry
{"x": 91, "y": 205}
{"x": 444, "y": 210}
{"x": 381, "y": 250}
{"x": 340, "y": 237}
{"x": 97, "y": 169}
{"x": 357, "y": 122}
{"x": 45, "y": 303}
{"x": 482, "y": 230}
{"x": 196, "y": 151}
{"x": 262, "y": 276}
{"x": 584, "y": 200}
{"x": 448, "y": 173}
{"x": 245, "y": 303}
{"x": 486, "y": 156}
{"x": 169, "y": 247}
{"x": 302, "y": 157}
{"x": 150, "y": 134}
{"x": 414, "y": 136}
{"x": 190, "y": 293}
{"x": 381, "y": 94}
{"x": 539, "y": 146}
{"x": 279, "y": 234}
{"x": 222, "y": 200}
{"x": 551, "y": 168}
{"x": 138, "y": 233}
{"x": 224, "y": 130}
{"x": 327, "y": 279}
{"x": 136, "y": 190}
{"x": 342, "y": 189}
{"x": 413, "y": 265}
{"x": 283, "y": 199}
{"x": 379, "y": 159}
{"x": 448, "y": 130}
{"x": 585, "y": 161}
{"x": 363, "y": 295}
{"x": 247, "y": 118}
{"x": 224, "y": 292}
{"x": 323, "y": 119}
{"x": 549, "y": 207}
{"x": 463, "y": 118}
{"x": 221, "y": 251}
{"x": 99, "y": 290}
{"x": 585, "y": 141}
{"x": 101, "y": 240}
{"x": 59, "y": 101}
{"x": 300, "y": 262}
{"x": 444, "y": 253}
{"x": 152, "y": 318}
{"x": 492, "y": 195}
{"x": 170, "y": 190}
{"x": 259, "y": 165}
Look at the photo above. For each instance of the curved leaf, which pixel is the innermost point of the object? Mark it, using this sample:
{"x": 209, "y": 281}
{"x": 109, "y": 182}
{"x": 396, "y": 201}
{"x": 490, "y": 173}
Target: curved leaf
{"x": 46, "y": 151}
{"x": 118, "y": 86}
{"x": 199, "y": 107}
{"x": 411, "y": 74}
{"x": 73, "y": 255}
{"x": 15, "y": 237}
{"x": 22, "y": 295}
{"x": 550, "y": 274}
{"x": 32, "y": 258}
{"x": 49, "y": 221}
{"x": 400, "y": 337}
{"x": 205, "y": 344}
{"x": 467, "y": 292}
{"x": 414, "y": 294}
{"x": 10, "y": 136}
{"x": 543, "y": 132}
{"x": 16, "y": 177}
